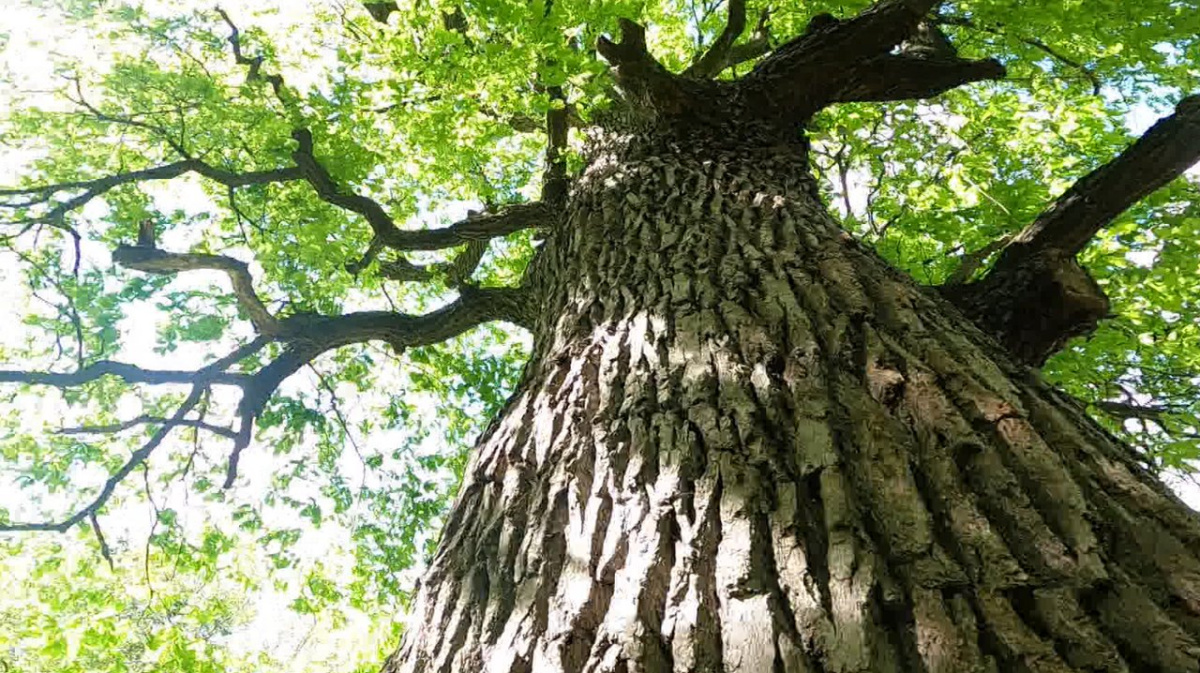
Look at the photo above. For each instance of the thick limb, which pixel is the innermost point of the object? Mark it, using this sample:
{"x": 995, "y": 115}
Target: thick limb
{"x": 1036, "y": 296}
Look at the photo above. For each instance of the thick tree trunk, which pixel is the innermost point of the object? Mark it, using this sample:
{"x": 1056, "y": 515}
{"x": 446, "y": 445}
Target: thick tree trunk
{"x": 745, "y": 443}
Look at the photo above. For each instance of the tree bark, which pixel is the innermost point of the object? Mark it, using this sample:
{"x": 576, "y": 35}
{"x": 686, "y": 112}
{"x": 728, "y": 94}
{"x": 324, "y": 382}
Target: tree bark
{"x": 745, "y": 443}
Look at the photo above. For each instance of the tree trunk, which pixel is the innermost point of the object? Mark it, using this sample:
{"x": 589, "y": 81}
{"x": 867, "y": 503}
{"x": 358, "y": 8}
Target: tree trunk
{"x": 745, "y": 443}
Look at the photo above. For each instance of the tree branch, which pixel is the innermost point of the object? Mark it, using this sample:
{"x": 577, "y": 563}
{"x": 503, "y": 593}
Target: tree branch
{"x": 715, "y": 58}
{"x": 758, "y": 45}
{"x": 1033, "y": 42}
{"x": 94, "y": 188}
{"x": 554, "y": 179}
{"x": 1165, "y": 152}
{"x": 643, "y": 80}
{"x": 253, "y": 64}
{"x": 308, "y": 336}
{"x": 1037, "y": 296}
{"x": 1127, "y": 410}
{"x": 902, "y": 77}
{"x": 136, "y": 458}
{"x": 832, "y": 42}
{"x": 128, "y": 372}
{"x": 505, "y": 221}
{"x": 104, "y": 550}
{"x": 854, "y": 60}
{"x": 147, "y": 420}
{"x": 380, "y": 11}
{"x": 153, "y": 260}
{"x": 972, "y": 262}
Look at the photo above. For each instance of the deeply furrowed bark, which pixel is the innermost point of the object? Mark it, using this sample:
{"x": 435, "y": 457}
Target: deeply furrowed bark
{"x": 744, "y": 443}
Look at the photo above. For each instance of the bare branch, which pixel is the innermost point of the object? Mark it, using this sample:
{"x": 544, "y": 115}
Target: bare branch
{"x": 135, "y": 459}
{"x": 94, "y": 188}
{"x": 715, "y": 58}
{"x": 153, "y": 260}
{"x": 147, "y": 420}
{"x": 128, "y": 372}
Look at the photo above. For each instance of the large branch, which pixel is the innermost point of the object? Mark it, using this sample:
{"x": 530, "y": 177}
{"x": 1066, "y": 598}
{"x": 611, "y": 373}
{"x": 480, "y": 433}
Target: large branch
{"x": 506, "y": 221}
{"x": 1165, "y": 152}
{"x": 554, "y": 178}
{"x": 713, "y": 61}
{"x": 903, "y": 77}
{"x": 857, "y": 60}
{"x": 832, "y": 42}
{"x": 1037, "y": 296}
{"x": 309, "y": 336}
{"x": 642, "y": 79}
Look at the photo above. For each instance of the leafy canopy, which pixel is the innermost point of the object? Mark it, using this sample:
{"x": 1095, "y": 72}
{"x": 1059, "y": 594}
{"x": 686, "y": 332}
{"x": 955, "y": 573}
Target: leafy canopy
{"x": 306, "y": 561}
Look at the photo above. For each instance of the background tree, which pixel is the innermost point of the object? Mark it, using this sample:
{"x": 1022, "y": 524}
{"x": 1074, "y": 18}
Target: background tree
{"x": 742, "y": 439}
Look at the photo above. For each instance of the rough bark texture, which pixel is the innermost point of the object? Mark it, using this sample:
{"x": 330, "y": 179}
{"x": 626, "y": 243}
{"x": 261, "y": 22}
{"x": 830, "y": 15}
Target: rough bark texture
{"x": 744, "y": 443}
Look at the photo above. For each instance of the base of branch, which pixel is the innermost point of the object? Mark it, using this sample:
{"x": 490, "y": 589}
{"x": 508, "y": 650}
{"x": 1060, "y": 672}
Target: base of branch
{"x": 1033, "y": 308}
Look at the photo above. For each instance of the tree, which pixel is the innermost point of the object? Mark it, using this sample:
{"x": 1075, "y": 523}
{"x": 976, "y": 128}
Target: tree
{"x": 743, "y": 440}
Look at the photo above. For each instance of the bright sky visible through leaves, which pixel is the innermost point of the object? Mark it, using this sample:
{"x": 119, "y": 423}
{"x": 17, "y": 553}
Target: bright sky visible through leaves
{"x": 304, "y": 565}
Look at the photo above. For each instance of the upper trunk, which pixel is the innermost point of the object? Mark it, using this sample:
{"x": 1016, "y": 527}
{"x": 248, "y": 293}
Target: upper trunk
{"x": 744, "y": 443}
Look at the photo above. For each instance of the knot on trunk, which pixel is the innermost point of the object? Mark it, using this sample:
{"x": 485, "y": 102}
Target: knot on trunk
{"x": 1034, "y": 304}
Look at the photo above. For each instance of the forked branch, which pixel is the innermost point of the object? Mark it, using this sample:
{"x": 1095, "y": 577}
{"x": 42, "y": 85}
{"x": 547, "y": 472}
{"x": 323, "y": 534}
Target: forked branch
{"x": 304, "y": 337}
{"x": 713, "y": 60}
{"x": 153, "y": 260}
{"x": 1037, "y": 296}
{"x": 838, "y": 61}
{"x": 91, "y": 189}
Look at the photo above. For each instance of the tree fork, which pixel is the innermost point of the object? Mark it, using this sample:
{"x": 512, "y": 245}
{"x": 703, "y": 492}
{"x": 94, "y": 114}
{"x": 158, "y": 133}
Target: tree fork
{"x": 1037, "y": 296}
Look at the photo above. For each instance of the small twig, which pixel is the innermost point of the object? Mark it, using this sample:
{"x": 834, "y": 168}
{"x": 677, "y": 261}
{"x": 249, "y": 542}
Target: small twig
{"x": 965, "y": 22}
{"x": 104, "y": 551}
{"x": 147, "y": 420}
